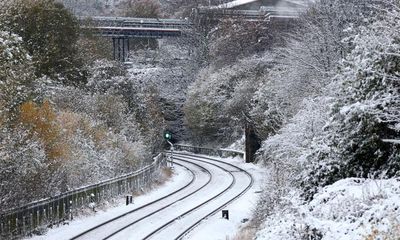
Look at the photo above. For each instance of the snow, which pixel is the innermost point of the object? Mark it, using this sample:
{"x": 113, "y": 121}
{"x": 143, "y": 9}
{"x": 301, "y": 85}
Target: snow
{"x": 176, "y": 208}
{"x": 213, "y": 228}
{"x": 218, "y": 228}
{"x": 349, "y": 209}
{"x": 180, "y": 178}
{"x": 236, "y": 3}
{"x": 395, "y": 141}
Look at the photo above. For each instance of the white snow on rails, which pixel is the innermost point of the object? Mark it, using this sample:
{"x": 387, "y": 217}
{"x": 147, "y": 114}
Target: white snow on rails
{"x": 187, "y": 207}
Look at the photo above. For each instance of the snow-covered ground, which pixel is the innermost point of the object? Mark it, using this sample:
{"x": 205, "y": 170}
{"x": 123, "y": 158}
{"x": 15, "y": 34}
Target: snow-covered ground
{"x": 179, "y": 179}
{"x": 349, "y": 209}
{"x": 240, "y": 211}
{"x": 212, "y": 228}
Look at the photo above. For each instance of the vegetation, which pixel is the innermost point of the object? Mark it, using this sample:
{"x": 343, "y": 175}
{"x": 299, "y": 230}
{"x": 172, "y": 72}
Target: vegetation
{"x": 68, "y": 117}
{"x": 321, "y": 93}
{"x": 50, "y": 34}
{"x": 143, "y": 9}
{"x": 322, "y": 100}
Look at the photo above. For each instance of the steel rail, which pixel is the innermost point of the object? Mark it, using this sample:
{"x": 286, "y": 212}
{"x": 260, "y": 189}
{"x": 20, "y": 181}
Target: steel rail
{"x": 198, "y": 206}
{"x": 164, "y": 207}
{"x": 223, "y": 205}
{"x": 141, "y": 207}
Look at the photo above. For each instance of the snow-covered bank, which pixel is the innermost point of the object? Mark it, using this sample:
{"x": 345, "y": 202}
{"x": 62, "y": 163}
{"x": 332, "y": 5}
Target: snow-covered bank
{"x": 349, "y": 209}
{"x": 80, "y": 224}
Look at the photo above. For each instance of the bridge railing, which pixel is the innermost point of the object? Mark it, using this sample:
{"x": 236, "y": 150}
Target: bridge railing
{"x": 263, "y": 13}
{"x": 210, "y": 151}
{"x": 48, "y": 212}
{"x": 125, "y": 22}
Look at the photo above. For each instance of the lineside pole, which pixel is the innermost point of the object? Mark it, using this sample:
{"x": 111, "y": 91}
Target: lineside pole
{"x": 119, "y": 49}
{"x": 127, "y": 41}
{"x": 172, "y": 153}
{"x": 114, "y": 50}
{"x": 123, "y": 49}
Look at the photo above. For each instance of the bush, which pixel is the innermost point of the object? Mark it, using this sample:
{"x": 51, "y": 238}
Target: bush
{"x": 41, "y": 120}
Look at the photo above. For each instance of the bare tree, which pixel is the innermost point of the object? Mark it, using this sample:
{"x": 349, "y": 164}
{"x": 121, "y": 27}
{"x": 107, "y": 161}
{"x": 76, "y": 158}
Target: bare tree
{"x": 143, "y": 8}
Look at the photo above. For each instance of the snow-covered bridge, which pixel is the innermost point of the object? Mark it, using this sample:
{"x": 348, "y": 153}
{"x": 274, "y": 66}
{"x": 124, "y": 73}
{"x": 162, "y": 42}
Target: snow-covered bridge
{"x": 135, "y": 27}
{"x": 121, "y": 29}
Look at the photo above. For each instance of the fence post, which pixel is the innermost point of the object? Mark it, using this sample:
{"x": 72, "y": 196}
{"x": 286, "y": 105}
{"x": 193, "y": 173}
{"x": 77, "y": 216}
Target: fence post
{"x": 23, "y": 225}
{"x": 16, "y": 225}
{"x": 51, "y": 214}
{"x": 75, "y": 200}
{"x": 100, "y": 193}
{"x": 63, "y": 211}
{"x": 38, "y": 217}
{"x": 45, "y": 215}
{"x": 58, "y": 212}
{"x": 31, "y": 221}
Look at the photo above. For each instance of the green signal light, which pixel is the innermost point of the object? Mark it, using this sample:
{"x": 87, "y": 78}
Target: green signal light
{"x": 167, "y": 136}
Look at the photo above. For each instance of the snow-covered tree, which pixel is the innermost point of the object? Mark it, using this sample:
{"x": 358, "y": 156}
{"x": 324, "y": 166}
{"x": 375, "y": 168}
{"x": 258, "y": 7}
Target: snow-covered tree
{"x": 366, "y": 109}
{"x": 339, "y": 100}
{"x": 219, "y": 102}
{"x": 314, "y": 49}
{"x": 16, "y": 73}
{"x": 49, "y": 33}
{"x": 22, "y": 168}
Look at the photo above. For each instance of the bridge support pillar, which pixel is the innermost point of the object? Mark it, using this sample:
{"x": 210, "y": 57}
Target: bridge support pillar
{"x": 120, "y": 49}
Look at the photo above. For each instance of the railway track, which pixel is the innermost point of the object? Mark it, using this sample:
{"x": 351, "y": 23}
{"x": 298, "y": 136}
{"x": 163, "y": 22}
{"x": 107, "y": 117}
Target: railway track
{"x": 188, "y": 230}
{"x": 188, "y": 210}
{"x": 86, "y": 234}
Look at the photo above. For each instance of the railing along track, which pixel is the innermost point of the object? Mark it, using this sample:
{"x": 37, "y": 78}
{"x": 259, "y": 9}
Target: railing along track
{"x": 146, "y": 205}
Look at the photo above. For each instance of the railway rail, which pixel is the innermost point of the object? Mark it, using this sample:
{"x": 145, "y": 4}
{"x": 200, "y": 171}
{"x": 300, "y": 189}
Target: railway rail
{"x": 87, "y": 233}
{"x": 188, "y": 230}
{"x": 188, "y": 203}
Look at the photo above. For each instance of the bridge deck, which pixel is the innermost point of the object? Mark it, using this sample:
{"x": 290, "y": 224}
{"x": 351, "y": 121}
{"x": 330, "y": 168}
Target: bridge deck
{"x": 135, "y": 27}
{"x": 136, "y": 32}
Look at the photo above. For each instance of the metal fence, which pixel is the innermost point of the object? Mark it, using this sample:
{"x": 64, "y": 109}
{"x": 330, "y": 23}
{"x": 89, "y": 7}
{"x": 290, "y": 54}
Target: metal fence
{"x": 48, "y": 212}
{"x": 209, "y": 151}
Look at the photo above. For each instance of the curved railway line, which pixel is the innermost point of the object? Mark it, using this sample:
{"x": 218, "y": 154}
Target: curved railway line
{"x": 188, "y": 230}
{"x": 203, "y": 170}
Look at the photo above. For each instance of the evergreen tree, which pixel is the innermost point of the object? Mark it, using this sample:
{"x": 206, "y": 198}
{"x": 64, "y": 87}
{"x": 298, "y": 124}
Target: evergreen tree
{"x": 50, "y": 33}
